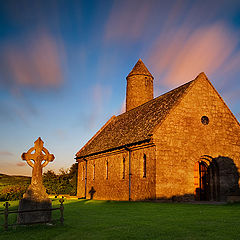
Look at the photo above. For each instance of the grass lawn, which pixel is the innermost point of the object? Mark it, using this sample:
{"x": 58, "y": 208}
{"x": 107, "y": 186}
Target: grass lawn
{"x": 89, "y": 219}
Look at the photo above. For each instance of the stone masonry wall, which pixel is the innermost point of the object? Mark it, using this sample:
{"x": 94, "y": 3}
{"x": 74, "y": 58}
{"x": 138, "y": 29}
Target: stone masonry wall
{"x": 182, "y": 139}
{"x": 114, "y": 185}
{"x": 139, "y": 90}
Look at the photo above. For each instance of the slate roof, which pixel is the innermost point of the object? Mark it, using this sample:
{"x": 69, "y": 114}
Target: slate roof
{"x": 133, "y": 126}
{"x": 140, "y": 69}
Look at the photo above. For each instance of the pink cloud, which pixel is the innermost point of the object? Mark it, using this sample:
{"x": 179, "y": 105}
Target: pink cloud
{"x": 133, "y": 20}
{"x": 179, "y": 57}
{"x": 37, "y": 64}
{"x": 21, "y": 164}
{"x": 6, "y": 153}
{"x": 11, "y": 168}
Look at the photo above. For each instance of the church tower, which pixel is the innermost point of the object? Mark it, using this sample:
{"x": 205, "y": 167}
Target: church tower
{"x": 139, "y": 86}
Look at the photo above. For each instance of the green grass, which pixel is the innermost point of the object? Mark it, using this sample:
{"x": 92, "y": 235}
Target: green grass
{"x": 7, "y": 180}
{"x": 135, "y": 220}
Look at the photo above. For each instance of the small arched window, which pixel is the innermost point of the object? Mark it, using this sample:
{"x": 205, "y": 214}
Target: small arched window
{"x": 93, "y": 171}
{"x": 107, "y": 170}
{"x": 83, "y": 173}
{"x": 144, "y": 166}
{"x": 146, "y": 81}
{"x": 124, "y": 168}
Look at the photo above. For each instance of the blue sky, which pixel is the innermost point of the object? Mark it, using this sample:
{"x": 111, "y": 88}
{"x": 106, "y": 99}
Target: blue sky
{"x": 63, "y": 65}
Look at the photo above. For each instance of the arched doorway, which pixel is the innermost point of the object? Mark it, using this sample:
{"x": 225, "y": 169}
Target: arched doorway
{"x": 206, "y": 179}
{"x": 202, "y": 181}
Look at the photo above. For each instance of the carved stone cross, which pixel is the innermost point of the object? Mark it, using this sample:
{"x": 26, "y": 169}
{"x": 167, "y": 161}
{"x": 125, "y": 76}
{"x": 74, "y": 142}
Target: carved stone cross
{"x": 37, "y": 157}
{"x": 36, "y": 197}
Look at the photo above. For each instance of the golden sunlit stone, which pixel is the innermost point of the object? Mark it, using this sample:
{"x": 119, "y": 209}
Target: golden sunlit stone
{"x": 139, "y": 86}
{"x": 36, "y": 197}
{"x": 182, "y": 145}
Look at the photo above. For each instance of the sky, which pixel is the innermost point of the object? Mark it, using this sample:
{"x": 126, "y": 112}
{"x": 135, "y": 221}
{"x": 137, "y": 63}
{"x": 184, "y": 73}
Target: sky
{"x": 63, "y": 65}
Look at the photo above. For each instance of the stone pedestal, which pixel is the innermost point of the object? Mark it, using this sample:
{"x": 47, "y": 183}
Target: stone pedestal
{"x": 34, "y": 217}
{"x": 35, "y": 199}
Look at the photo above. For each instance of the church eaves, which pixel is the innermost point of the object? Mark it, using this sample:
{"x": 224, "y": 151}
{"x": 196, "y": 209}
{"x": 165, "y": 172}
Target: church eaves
{"x": 140, "y": 69}
{"x": 134, "y": 126}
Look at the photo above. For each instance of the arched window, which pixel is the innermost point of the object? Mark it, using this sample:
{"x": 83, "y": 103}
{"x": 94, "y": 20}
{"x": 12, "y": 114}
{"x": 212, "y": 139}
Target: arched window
{"x": 144, "y": 166}
{"x": 93, "y": 171}
{"x": 146, "y": 81}
{"x": 107, "y": 170}
{"x": 83, "y": 173}
{"x": 124, "y": 168}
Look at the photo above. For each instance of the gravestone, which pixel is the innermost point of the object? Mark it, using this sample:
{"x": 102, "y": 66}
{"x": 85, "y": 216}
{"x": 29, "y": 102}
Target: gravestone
{"x": 91, "y": 192}
{"x": 36, "y": 197}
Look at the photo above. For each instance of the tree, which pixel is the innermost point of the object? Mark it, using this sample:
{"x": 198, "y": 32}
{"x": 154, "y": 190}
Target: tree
{"x": 63, "y": 183}
{"x": 50, "y": 181}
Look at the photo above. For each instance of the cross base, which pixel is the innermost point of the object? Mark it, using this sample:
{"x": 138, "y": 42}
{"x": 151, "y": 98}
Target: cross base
{"x": 36, "y": 192}
{"x": 34, "y": 217}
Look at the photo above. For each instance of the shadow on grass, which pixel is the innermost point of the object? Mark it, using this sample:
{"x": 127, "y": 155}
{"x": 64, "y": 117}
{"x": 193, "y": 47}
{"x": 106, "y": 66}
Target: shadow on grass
{"x": 93, "y": 219}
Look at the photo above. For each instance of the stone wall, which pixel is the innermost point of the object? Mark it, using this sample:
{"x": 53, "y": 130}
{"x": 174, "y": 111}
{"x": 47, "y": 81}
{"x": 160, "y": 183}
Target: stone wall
{"x": 178, "y": 144}
{"x": 183, "y": 139}
{"x": 139, "y": 90}
{"x": 110, "y": 182}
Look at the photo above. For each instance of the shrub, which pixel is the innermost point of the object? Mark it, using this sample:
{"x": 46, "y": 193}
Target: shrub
{"x": 14, "y": 192}
{"x": 63, "y": 183}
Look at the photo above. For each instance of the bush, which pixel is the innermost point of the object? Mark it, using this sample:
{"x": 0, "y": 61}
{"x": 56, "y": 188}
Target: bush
{"x": 11, "y": 193}
{"x": 63, "y": 183}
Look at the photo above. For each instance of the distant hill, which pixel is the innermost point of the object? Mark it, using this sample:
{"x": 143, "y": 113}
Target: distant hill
{"x": 6, "y": 180}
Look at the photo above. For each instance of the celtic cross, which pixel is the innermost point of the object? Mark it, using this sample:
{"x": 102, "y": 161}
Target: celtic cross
{"x": 37, "y": 157}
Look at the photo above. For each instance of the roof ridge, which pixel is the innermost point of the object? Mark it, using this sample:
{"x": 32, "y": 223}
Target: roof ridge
{"x": 191, "y": 83}
{"x": 136, "y": 124}
{"x": 158, "y": 97}
{"x": 202, "y": 75}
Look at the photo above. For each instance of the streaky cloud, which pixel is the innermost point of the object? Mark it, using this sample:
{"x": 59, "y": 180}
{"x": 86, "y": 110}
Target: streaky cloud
{"x": 127, "y": 20}
{"x": 35, "y": 64}
{"x": 6, "y": 153}
{"x": 21, "y": 164}
{"x": 178, "y": 59}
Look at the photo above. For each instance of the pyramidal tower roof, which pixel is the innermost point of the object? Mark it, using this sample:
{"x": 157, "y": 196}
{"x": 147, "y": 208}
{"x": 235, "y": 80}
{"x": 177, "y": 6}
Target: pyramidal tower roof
{"x": 140, "y": 69}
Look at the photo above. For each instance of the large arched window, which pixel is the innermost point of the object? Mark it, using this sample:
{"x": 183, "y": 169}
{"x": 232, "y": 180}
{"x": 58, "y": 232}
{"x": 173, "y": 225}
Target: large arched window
{"x": 144, "y": 166}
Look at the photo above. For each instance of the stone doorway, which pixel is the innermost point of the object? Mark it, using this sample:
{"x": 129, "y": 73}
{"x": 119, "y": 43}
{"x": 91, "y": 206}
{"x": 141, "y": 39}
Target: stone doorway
{"x": 206, "y": 180}
{"x": 215, "y": 178}
{"x": 202, "y": 181}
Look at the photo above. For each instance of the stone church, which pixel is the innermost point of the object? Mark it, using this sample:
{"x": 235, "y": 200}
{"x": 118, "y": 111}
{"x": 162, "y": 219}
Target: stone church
{"x": 182, "y": 145}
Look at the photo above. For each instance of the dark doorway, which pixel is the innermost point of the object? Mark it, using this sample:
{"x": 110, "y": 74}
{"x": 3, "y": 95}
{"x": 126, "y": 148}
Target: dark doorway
{"x": 215, "y": 178}
{"x": 206, "y": 179}
{"x": 203, "y": 181}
